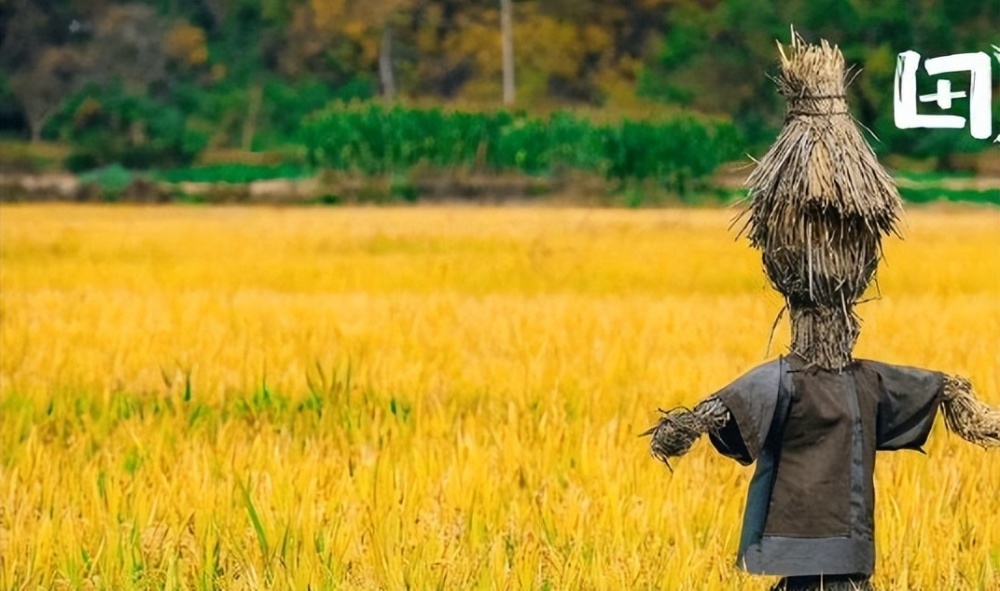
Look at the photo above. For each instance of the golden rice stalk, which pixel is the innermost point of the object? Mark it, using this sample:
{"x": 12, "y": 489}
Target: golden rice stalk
{"x": 968, "y": 417}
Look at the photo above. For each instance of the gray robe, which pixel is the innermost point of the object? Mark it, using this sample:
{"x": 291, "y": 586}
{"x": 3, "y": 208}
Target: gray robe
{"x": 814, "y": 433}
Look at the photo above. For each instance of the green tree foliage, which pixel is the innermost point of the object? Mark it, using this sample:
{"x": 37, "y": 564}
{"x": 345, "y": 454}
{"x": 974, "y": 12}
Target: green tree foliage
{"x": 715, "y": 56}
{"x": 244, "y": 73}
{"x": 110, "y": 126}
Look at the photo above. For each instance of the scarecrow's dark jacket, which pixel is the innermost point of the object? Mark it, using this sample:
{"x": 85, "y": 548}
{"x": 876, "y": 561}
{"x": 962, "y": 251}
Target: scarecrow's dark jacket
{"x": 813, "y": 434}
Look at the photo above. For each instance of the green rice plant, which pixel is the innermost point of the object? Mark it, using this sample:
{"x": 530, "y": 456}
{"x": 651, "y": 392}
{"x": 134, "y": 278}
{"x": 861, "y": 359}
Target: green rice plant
{"x": 375, "y": 140}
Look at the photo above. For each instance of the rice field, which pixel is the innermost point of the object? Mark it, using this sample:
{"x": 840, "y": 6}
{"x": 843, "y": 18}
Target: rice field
{"x": 436, "y": 397}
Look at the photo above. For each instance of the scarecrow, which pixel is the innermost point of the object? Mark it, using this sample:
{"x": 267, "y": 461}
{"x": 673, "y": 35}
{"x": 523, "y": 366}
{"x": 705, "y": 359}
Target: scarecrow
{"x": 812, "y": 420}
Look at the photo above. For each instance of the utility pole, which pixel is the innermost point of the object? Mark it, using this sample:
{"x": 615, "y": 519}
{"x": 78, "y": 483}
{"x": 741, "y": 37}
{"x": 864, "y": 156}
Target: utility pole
{"x": 385, "y": 62}
{"x": 507, "y": 38}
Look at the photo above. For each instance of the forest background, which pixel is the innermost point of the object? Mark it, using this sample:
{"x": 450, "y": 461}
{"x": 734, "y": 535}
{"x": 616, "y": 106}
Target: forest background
{"x": 634, "y": 91}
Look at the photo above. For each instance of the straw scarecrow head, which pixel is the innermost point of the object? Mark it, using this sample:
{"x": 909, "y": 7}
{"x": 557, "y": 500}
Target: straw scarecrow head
{"x": 819, "y": 205}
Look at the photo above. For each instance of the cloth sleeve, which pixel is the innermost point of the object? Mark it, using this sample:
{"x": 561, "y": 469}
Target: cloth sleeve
{"x": 751, "y": 401}
{"x": 908, "y": 402}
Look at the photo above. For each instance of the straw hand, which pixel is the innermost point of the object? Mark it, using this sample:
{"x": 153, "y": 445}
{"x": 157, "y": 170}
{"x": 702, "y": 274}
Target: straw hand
{"x": 679, "y": 428}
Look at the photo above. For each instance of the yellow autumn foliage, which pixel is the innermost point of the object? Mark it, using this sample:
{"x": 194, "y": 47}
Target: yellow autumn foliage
{"x": 185, "y": 44}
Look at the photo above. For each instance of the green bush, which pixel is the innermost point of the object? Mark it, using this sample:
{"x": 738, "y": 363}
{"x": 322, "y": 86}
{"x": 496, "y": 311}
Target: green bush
{"x": 109, "y": 182}
{"x": 110, "y": 126}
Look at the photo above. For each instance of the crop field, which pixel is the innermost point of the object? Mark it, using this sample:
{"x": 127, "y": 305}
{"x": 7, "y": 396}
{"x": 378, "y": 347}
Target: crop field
{"x": 436, "y": 397}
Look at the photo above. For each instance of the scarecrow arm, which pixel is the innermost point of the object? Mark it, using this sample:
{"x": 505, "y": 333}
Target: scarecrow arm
{"x": 967, "y": 416}
{"x": 737, "y": 418}
{"x": 679, "y": 428}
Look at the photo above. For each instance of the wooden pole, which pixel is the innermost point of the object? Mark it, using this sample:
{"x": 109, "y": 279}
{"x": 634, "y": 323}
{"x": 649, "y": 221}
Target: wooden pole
{"x": 385, "y": 63}
{"x": 507, "y": 38}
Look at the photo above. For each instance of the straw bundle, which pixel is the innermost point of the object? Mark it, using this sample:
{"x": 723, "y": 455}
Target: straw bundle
{"x": 966, "y": 416}
{"x": 819, "y": 204}
{"x": 679, "y": 428}
{"x": 824, "y": 334}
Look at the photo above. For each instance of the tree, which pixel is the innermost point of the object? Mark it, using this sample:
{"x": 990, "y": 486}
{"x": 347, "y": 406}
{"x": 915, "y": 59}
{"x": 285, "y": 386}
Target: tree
{"x": 109, "y": 125}
{"x": 42, "y": 87}
{"x": 715, "y": 56}
{"x": 341, "y": 39}
{"x": 129, "y": 47}
{"x": 387, "y": 16}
